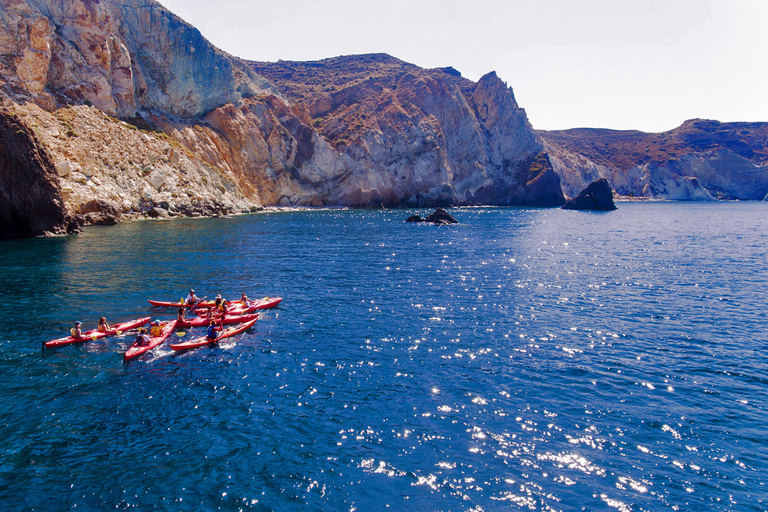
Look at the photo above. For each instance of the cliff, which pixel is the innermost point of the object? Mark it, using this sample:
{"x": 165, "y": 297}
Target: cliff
{"x": 30, "y": 198}
{"x": 141, "y": 114}
{"x": 418, "y": 137}
{"x": 700, "y": 160}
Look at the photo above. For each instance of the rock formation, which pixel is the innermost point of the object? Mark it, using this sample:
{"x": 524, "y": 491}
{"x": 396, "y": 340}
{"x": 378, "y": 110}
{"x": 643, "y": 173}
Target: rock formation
{"x": 30, "y": 199}
{"x": 598, "y": 196}
{"x": 439, "y": 217}
{"x": 144, "y": 116}
{"x": 700, "y": 160}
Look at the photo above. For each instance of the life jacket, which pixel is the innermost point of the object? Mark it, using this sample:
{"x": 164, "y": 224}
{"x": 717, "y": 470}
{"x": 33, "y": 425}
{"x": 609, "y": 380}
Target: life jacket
{"x": 211, "y": 332}
{"x": 156, "y": 330}
{"x": 73, "y": 332}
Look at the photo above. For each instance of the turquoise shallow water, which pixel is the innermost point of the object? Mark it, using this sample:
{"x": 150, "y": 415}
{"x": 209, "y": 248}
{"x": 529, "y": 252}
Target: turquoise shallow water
{"x": 523, "y": 359}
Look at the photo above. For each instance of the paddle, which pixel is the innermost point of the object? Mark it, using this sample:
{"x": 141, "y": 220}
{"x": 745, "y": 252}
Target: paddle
{"x": 180, "y": 333}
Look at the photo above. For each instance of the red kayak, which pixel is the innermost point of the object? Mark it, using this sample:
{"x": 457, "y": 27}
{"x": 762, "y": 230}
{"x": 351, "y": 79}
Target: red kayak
{"x": 168, "y": 304}
{"x": 237, "y": 307}
{"x": 229, "y": 319}
{"x": 95, "y": 334}
{"x": 136, "y": 350}
{"x": 203, "y": 341}
{"x": 265, "y": 303}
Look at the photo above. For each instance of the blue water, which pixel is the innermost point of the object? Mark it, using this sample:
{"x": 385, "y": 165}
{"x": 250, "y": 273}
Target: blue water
{"x": 524, "y": 359}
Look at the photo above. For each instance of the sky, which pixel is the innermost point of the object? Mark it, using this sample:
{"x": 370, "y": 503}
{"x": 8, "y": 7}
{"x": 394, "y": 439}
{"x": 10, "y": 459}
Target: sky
{"x": 622, "y": 64}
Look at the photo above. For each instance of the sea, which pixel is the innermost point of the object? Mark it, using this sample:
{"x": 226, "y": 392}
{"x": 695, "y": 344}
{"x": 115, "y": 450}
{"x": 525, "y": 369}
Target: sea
{"x": 522, "y": 359}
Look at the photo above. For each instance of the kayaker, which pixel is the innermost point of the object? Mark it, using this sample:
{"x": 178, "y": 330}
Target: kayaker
{"x": 223, "y": 307}
{"x": 181, "y": 317}
{"x": 142, "y": 339}
{"x": 211, "y": 334}
{"x": 75, "y": 331}
{"x": 156, "y": 329}
{"x": 244, "y": 300}
{"x": 103, "y": 325}
{"x": 191, "y": 299}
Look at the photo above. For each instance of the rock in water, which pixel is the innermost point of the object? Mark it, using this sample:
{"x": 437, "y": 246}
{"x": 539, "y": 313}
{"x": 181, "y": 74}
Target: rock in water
{"x": 441, "y": 216}
{"x": 414, "y": 218}
{"x": 598, "y": 196}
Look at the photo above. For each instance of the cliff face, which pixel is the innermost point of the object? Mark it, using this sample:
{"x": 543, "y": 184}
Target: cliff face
{"x": 119, "y": 56}
{"x": 30, "y": 199}
{"x": 700, "y": 160}
{"x": 209, "y": 133}
{"x": 411, "y": 136}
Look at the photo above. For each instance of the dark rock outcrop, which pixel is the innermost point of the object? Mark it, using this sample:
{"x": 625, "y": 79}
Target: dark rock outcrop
{"x": 98, "y": 212}
{"x": 598, "y": 196}
{"x": 30, "y": 199}
{"x": 439, "y": 217}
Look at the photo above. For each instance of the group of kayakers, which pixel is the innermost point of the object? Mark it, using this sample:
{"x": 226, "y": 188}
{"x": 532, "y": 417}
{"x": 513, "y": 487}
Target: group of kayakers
{"x": 215, "y": 314}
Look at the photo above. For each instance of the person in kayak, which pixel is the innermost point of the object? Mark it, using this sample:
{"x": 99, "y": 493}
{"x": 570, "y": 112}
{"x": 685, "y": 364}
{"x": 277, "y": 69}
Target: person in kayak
{"x": 75, "y": 331}
{"x": 156, "y": 329}
{"x": 103, "y": 325}
{"x": 142, "y": 340}
{"x": 244, "y": 300}
{"x": 211, "y": 334}
{"x": 191, "y": 299}
{"x": 181, "y": 317}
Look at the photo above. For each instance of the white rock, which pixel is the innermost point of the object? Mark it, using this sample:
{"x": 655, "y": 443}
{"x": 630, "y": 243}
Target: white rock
{"x": 79, "y": 177}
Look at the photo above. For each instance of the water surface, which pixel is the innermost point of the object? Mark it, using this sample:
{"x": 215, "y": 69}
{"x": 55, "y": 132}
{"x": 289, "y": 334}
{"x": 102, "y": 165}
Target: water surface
{"x": 524, "y": 359}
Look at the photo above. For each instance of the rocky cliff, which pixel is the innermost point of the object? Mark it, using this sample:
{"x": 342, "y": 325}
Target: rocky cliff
{"x": 412, "y": 136}
{"x": 142, "y": 115}
{"x": 700, "y": 160}
{"x": 30, "y": 198}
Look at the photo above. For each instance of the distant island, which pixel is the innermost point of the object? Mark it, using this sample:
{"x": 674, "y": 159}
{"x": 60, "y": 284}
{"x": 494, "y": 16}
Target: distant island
{"x": 119, "y": 110}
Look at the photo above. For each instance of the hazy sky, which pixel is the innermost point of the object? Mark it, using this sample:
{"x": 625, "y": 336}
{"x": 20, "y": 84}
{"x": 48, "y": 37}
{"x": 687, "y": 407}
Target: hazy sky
{"x": 622, "y": 64}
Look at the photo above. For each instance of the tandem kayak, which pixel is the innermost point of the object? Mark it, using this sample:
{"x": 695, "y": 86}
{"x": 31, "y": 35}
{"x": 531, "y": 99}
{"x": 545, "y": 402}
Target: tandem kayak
{"x": 169, "y": 304}
{"x": 203, "y": 341}
{"x": 228, "y": 319}
{"x": 95, "y": 334}
{"x": 238, "y": 308}
{"x": 137, "y": 350}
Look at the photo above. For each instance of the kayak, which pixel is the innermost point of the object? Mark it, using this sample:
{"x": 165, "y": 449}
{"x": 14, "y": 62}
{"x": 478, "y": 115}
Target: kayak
{"x": 168, "y": 304}
{"x": 136, "y": 350}
{"x": 228, "y": 319}
{"x": 265, "y": 303}
{"x": 95, "y": 334}
{"x": 237, "y": 307}
{"x": 203, "y": 341}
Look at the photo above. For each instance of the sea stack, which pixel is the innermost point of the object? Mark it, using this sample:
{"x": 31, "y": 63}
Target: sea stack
{"x": 438, "y": 217}
{"x": 598, "y": 196}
